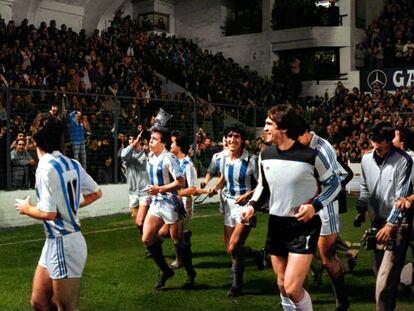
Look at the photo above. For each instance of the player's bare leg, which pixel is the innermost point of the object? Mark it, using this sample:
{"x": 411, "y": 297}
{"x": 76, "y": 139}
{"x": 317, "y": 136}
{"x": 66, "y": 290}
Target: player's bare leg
{"x": 183, "y": 252}
{"x": 66, "y": 294}
{"x": 139, "y": 217}
{"x": 42, "y": 290}
{"x": 326, "y": 247}
{"x": 291, "y": 274}
{"x": 150, "y": 238}
{"x": 235, "y": 248}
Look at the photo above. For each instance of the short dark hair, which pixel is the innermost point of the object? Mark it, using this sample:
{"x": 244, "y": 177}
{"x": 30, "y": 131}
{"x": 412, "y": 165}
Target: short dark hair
{"x": 48, "y": 133}
{"x": 303, "y": 125}
{"x": 236, "y": 128}
{"x": 382, "y": 131}
{"x": 287, "y": 119}
{"x": 406, "y": 137}
{"x": 165, "y": 135}
{"x": 182, "y": 141}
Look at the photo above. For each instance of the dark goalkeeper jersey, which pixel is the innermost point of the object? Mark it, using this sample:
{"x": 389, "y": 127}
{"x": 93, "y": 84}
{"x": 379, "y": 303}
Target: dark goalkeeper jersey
{"x": 293, "y": 177}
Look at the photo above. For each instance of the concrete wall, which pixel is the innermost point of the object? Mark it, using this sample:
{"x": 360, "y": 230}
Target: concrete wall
{"x": 166, "y": 7}
{"x": 373, "y": 10}
{"x": 114, "y": 200}
{"x": 106, "y": 17}
{"x": 78, "y": 14}
{"x": 62, "y": 13}
{"x": 6, "y": 9}
{"x": 202, "y": 21}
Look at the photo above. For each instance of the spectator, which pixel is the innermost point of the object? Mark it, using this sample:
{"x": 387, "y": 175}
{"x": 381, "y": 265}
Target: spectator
{"x": 77, "y": 135}
{"x": 105, "y": 174}
{"x": 360, "y": 56}
{"x": 20, "y": 161}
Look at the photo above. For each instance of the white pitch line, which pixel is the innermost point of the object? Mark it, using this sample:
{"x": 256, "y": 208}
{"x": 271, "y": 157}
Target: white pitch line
{"x": 91, "y": 232}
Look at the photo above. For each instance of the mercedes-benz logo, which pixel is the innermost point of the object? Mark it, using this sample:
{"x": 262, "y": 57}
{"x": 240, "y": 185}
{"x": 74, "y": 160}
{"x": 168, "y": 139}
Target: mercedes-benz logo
{"x": 377, "y": 78}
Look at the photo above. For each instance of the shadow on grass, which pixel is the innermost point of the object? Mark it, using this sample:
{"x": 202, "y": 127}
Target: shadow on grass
{"x": 214, "y": 254}
{"x": 361, "y": 273}
{"x": 260, "y": 287}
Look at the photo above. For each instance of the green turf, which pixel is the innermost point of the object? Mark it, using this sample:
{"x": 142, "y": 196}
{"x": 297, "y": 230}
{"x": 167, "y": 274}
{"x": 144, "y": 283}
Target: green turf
{"x": 118, "y": 278}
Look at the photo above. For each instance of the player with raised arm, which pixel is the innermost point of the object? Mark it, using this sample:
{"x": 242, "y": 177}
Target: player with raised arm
{"x": 62, "y": 187}
{"x": 298, "y": 183}
{"x": 135, "y": 159}
{"x": 166, "y": 178}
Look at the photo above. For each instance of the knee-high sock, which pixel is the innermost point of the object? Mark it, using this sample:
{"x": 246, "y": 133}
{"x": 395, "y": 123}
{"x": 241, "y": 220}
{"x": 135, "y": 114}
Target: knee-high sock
{"x": 140, "y": 228}
{"x": 338, "y": 284}
{"x": 178, "y": 253}
{"x": 184, "y": 249}
{"x": 286, "y": 303}
{"x": 237, "y": 270}
{"x": 156, "y": 251}
{"x": 305, "y": 304}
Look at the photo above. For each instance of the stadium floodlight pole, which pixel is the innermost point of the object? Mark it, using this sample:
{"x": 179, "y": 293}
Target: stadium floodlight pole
{"x": 8, "y": 140}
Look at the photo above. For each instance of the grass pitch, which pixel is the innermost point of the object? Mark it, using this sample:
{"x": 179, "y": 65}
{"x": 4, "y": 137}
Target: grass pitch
{"x": 118, "y": 278}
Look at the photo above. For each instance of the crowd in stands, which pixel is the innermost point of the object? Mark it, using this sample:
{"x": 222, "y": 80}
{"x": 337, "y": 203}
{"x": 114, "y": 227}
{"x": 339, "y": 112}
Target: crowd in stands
{"x": 390, "y": 38}
{"x": 345, "y": 118}
{"x": 85, "y": 72}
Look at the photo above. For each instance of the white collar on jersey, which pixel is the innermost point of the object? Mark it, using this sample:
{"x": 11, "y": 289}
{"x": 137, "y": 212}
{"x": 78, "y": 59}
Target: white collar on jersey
{"x": 244, "y": 156}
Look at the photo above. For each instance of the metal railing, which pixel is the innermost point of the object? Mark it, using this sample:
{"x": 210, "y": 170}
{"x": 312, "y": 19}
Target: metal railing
{"x": 108, "y": 121}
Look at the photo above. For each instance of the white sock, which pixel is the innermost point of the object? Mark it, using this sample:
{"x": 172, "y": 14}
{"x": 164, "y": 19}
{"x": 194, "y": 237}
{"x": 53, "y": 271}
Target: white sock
{"x": 305, "y": 304}
{"x": 406, "y": 276}
{"x": 286, "y": 303}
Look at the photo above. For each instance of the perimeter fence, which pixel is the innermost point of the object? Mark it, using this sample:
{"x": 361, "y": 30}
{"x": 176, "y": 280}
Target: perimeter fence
{"x": 108, "y": 121}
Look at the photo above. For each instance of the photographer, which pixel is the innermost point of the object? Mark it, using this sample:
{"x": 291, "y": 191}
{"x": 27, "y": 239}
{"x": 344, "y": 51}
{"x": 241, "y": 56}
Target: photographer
{"x": 385, "y": 177}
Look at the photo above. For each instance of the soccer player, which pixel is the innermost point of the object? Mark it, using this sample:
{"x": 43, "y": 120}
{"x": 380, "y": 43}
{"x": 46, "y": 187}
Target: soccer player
{"x": 239, "y": 176}
{"x": 330, "y": 218}
{"x": 165, "y": 179}
{"x": 290, "y": 175}
{"x": 386, "y": 176}
{"x": 214, "y": 170}
{"x": 179, "y": 147}
{"x": 60, "y": 182}
{"x": 135, "y": 159}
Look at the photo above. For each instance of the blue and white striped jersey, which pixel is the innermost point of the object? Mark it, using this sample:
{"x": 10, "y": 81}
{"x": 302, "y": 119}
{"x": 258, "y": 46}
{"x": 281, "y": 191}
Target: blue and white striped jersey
{"x": 240, "y": 174}
{"x": 214, "y": 167}
{"x": 163, "y": 170}
{"x": 324, "y": 147}
{"x": 189, "y": 171}
{"x": 190, "y": 174}
{"x": 59, "y": 183}
{"x": 328, "y": 151}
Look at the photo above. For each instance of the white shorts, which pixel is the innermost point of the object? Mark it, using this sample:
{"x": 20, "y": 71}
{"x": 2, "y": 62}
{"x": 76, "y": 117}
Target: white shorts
{"x": 164, "y": 210}
{"x": 222, "y": 201}
{"x": 232, "y": 213}
{"x": 65, "y": 256}
{"x": 138, "y": 200}
{"x": 188, "y": 206}
{"x": 330, "y": 219}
